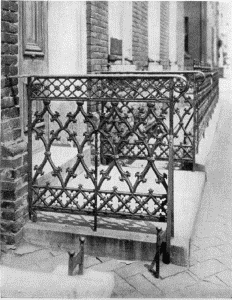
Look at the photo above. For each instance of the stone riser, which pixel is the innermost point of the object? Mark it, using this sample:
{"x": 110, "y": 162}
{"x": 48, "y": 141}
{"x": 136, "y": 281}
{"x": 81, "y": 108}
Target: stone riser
{"x": 140, "y": 246}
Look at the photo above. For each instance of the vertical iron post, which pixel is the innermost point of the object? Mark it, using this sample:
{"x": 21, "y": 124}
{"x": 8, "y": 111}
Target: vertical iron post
{"x": 196, "y": 84}
{"x": 195, "y": 130}
{"x": 171, "y": 163}
{"x": 170, "y": 202}
{"x": 29, "y": 128}
{"x": 96, "y": 152}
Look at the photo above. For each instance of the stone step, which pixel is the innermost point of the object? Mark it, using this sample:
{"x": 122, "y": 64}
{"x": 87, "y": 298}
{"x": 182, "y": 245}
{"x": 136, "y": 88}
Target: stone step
{"x": 120, "y": 239}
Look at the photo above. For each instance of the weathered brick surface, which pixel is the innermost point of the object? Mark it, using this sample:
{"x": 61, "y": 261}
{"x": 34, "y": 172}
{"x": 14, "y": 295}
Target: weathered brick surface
{"x": 140, "y": 33}
{"x": 12, "y": 195}
{"x": 97, "y": 35}
{"x": 12, "y": 238}
{"x": 13, "y": 167}
{"x": 164, "y": 34}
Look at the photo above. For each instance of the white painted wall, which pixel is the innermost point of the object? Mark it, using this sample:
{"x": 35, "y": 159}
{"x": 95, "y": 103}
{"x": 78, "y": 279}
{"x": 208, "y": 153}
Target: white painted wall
{"x": 127, "y": 30}
{"x": 154, "y": 30}
{"x": 120, "y": 25}
{"x": 67, "y": 37}
{"x": 173, "y": 35}
{"x": 154, "y": 35}
{"x": 67, "y": 53}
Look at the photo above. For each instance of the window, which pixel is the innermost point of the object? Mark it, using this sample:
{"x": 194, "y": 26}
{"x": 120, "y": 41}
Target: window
{"x": 120, "y": 30}
{"x": 33, "y": 28}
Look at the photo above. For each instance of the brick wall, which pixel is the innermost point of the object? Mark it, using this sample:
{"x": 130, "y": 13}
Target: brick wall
{"x": 164, "y": 34}
{"x": 13, "y": 148}
{"x": 97, "y": 35}
{"x": 140, "y": 33}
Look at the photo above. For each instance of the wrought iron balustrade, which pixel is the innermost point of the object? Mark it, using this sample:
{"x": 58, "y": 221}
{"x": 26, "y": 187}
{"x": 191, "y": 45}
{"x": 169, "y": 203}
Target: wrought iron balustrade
{"x": 192, "y": 110}
{"x": 139, "y": 117}
{"x": 133, "y": 122}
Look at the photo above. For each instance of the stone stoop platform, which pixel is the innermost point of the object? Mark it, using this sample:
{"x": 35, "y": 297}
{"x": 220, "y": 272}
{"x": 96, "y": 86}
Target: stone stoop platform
{"x": 206, "y": 142}
{"x": 130, "y": 239}
{"x": 124, "y": 239}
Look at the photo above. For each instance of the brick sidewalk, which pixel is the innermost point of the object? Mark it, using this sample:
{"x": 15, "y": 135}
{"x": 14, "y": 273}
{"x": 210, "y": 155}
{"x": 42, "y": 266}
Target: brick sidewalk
{"x": 210, "y": 271}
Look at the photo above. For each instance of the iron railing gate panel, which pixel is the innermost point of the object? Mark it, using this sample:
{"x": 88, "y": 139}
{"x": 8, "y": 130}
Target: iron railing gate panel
{"x": 132, "y": 122}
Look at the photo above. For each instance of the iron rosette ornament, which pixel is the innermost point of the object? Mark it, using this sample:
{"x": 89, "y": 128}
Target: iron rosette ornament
{"x": 180, "y": 84}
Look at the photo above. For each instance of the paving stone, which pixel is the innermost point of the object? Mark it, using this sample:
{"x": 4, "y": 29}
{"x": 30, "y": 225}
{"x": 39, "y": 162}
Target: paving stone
{"x": 149, "y": 276}
{"x": 90, "y": 261}
{"x": 32, "y": 268}
{"x": 103, "y": 259}
{"x": 143, "y": 286}
{"x": 170, "y": 270}
{"x": 193, "y": 261}
{"x": 134, "y": 294}
{"x": 207, "y": 230}
{"x": 121, "y": 287}
{"x": 48, "y": 266}
{"x": 193, "y": 276}
{"x": 226, "y": 277}
{"x": 62, "y": 258}
{"x": 56, "y": 252}
{"x": 226, "y": 238}
{"x": 207, "y": 268}
{"x": 176, "y": 282}
{"x": 167, "y": 270}
{"x": 132, "y": 269}
{"x": 54, "y": 261}
{"x": 226, "y": 260}
{"x": 208, "y": 253}
{"x": 26, "y": 249}
{"x": 107, "y": 266}
{"x": 36, "y": 256}
{"x": 226, "y": 248}
{"x": 13, "y": 261}
{"x": 7, "y": 259}
{"x": 175, "y": 294}
{"x": 207, "y": 242}
{"x": 194, "y": 248}
{"x": 214, "y": 279}
{"x": 206, "y": 290}
{"x": 18, "y": 262}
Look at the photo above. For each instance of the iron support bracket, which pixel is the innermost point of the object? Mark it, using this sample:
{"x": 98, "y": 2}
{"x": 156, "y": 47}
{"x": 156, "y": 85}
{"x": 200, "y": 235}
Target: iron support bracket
{"x": 160, "y": 248}
{"x": 76, "y": 259}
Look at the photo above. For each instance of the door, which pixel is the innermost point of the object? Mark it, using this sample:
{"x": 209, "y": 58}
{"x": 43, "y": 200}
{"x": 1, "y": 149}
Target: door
{"x": 33, "y": 51}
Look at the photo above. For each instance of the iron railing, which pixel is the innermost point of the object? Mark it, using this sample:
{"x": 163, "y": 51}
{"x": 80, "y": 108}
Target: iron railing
{"x": 192, "y": 110}
{"x": 146, "y": 117}
{"x": 135, "y": 122}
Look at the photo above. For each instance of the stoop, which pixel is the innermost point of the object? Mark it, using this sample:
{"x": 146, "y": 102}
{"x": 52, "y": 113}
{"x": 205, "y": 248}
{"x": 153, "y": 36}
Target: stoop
{"x": 122, "y": 238}
{"x": 130, "y": 239}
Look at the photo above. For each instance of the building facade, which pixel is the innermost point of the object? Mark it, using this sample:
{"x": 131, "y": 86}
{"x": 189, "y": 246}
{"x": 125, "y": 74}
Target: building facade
{"x": 61, "y": 38}
{"x": 201, "y": 32}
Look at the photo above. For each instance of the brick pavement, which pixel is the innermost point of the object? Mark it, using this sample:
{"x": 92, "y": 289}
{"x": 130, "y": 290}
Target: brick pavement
{"x": 210, "y": 271}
